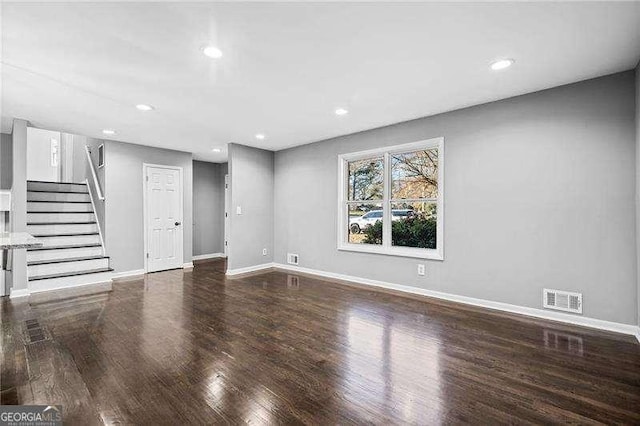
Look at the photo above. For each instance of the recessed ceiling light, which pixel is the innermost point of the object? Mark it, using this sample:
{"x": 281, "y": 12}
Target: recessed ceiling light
{"x": 216, "y": 150}
{"x": 501, "y": 64}
{"x": 260, "y": 136}
{"x": 341, "y": 111}
{"x": 109, "y": 132}
{"x": 144, "y": 107}
{"x": 212, "y": 52}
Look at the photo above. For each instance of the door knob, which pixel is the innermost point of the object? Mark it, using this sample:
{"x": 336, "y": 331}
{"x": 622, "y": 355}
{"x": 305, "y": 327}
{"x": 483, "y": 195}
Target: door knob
{"x": 178, "y": 223}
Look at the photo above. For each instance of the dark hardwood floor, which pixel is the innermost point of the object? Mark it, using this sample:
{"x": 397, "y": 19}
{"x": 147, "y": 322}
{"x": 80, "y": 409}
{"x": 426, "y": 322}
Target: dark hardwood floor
{"x": 195, "y": 348}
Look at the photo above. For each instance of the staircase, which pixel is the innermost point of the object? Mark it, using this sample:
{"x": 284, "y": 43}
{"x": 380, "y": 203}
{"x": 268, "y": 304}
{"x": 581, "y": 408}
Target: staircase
{"x": 61, "y": 215}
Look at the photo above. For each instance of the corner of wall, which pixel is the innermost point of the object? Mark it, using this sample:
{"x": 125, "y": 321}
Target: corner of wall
{"x": 637, "y": 193}
{"x": 251, "y": 172}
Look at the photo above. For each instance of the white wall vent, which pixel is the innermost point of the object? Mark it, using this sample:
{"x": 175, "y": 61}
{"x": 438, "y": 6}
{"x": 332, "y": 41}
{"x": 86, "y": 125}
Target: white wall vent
{"x": 292, "y": 258}
{"x": 562, "y": 300}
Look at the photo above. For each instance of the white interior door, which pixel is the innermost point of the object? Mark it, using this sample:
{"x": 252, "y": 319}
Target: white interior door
{"x": 163, "y": 218}
{"x": 226, "y": 214}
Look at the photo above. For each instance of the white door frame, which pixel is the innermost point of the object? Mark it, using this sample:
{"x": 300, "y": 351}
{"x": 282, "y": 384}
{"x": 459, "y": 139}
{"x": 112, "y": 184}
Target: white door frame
{"x": 225, "y": 243}
{"x": 144, "y": 209}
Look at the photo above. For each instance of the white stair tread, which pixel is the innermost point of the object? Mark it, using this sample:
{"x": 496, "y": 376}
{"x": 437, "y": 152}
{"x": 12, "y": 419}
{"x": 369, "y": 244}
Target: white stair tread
{"x": 59, "y": 283}
{"x": 56, "y": 183}
{"x": 67, "y": 197}
{"x": 74, "y": 246}
{"x": 59, "y": 201}
{"x": 71, "y": 259}
{"x": 70, "y": 274}
{"x": 73, "y": 234}
{"x": 57, "y": 211}
{"x": 63, "y": 223}
{"x": 65, "y": 253}
{"x": 35, "y": 186}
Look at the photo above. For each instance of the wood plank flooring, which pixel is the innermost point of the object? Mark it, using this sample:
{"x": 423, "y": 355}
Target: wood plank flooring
{"x": 196, "y": 348}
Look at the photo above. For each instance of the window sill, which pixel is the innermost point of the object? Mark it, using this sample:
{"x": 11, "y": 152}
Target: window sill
{"x": 418, "y": 253}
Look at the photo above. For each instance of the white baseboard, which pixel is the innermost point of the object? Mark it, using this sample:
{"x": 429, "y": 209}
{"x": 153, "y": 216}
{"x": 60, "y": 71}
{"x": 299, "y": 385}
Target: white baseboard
{"x": 638, "y": 333}
{"x": 208, "y": 256}
{"x": 506, "y": 307}
{"x": 188, "y": 265}
{"x": 128, "y": 274}
{"x": 239, "y": 271}
{"x": 14, "y": 294}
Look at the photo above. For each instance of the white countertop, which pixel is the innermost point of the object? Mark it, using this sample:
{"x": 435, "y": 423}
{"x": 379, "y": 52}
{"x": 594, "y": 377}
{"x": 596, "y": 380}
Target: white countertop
{"x": 18, "y": 240}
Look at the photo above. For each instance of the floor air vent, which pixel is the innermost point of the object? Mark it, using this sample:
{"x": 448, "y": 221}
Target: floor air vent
{"x": 34, "y": 332}
{"x": 562, "y": 300}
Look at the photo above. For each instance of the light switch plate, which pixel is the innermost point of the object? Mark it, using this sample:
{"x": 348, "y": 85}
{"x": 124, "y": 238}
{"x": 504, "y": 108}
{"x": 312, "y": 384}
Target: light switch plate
{"x": 238, "y": 210}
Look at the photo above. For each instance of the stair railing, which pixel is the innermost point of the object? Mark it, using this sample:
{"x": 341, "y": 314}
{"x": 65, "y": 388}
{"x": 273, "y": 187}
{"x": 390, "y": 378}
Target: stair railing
{"x": 96, "y": 182}
{"x": 99, "y": 194}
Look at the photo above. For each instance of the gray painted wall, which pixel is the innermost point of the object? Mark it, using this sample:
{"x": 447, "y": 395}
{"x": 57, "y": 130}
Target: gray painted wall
{"x": 82, "y": 171}
{"x": 208, "y": 207}
{"x": 18, "y": 220}
{"x": 638, "y": 188}
{"x": 39, "y": 155}
{"x": 251, "y": 172}
{"x": 6, "y": 172}
{"x": 539, "y": 192}
{"x": 124, "y": 200}
{"x": 6, "y": 160}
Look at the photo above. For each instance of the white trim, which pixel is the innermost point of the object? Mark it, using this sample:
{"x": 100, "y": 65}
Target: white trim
{"x": 227, "y": 215}
{"x": 238, "y": 271}
{"x": 419, "y": 253}
{"x": 23, "y": 292}
{"x": 208, "y": 256}
{"x": 144, "y": 210}
{"x": 101, "y": 148}
{"x": 188, "y": 265}
{"x": 3, "y": 253}
{"x": 500, "y": 306}
{"x": 386, "y": 248}
{"x": 44, "y": 296}
{"x": 127, "y": 274}
{"x": 638, "y": 334}
{"x": 46, "y": 290}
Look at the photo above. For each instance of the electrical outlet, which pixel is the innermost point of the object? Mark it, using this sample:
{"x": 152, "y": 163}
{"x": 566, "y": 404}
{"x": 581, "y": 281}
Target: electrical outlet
{"x": 292, "y": 258}
{"x": 421, "y": 270}
{"x": 238, "y": 210}
{"x": 264, "y": 251}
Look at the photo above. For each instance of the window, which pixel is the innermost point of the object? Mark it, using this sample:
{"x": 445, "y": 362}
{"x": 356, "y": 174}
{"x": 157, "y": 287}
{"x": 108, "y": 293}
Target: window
{"x": 55, "y": 154}
{"x": 101, "y": 156}
{"x": 391, "y": 200}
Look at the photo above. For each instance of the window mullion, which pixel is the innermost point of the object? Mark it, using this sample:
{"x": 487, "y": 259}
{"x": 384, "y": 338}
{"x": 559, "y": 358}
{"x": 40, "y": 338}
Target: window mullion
{"x": 386, "y": 205}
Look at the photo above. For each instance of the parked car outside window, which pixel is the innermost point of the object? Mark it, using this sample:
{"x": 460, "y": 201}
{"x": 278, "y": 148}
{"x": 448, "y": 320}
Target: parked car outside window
{"x": 358, "y": 223}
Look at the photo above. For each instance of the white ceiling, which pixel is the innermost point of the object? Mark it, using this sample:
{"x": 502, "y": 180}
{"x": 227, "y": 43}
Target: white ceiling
{"x": 286, "y": 67}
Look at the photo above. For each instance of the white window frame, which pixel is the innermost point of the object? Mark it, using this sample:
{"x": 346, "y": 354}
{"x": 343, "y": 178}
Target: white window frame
{"x": 386, "y": 247}
{"x": 101, "y": 156}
